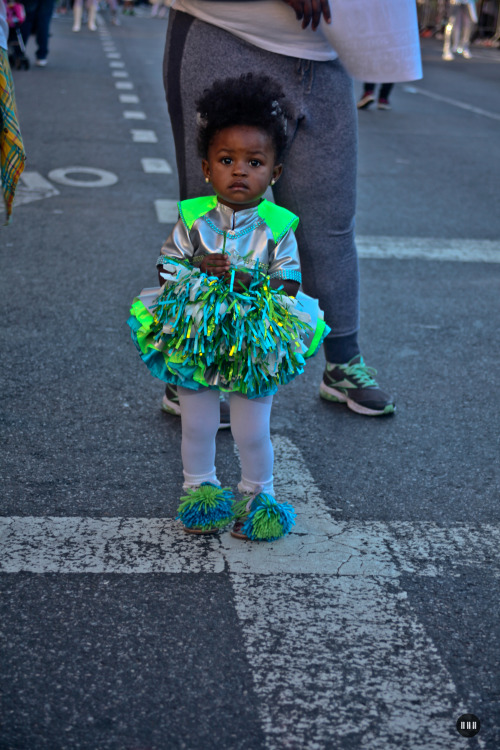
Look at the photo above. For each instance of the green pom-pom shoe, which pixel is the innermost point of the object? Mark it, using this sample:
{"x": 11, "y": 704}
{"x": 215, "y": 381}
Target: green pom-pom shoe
{"x": 262, "y": 518}
{"x": 206, "y": 509}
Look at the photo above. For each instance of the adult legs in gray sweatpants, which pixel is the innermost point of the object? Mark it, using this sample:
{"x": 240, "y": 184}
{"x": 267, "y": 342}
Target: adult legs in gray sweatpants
{"x": 319, "y": 177}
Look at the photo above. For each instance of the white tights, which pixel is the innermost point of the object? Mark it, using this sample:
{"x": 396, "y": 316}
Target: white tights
{"x": 200, "y": 414}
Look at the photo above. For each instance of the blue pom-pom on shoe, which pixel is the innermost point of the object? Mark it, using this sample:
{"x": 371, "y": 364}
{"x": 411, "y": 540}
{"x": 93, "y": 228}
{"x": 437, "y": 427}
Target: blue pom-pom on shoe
{"x": 267, "y": 520}
{"x": 206, "y": 509}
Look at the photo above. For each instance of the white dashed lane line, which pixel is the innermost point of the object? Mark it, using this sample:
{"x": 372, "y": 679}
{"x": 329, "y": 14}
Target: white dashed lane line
{"x": 144, "y": 136}
{"x": 156, "y": 166}
{"x": 167, "y": 211}
{"x": 128, "y": 99}
{"x": 133, "y": 115}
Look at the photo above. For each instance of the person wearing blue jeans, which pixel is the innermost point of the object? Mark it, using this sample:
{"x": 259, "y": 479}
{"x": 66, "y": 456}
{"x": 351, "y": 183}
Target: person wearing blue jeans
{"x": 212, "y": 40}
{"x": 38, "y": 18}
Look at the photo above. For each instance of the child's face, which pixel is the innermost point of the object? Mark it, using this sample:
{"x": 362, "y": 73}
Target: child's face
{"x": 240, "y": 165}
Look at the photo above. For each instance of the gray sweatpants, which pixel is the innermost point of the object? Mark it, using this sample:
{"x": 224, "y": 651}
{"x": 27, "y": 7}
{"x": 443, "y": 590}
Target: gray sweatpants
{"x": 319, "y": 176}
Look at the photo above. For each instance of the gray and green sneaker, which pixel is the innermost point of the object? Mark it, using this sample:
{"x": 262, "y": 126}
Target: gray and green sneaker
{"x": 170, "y": 401}
{"x": 354, "y": 384}
{"x": 170, "y": 404}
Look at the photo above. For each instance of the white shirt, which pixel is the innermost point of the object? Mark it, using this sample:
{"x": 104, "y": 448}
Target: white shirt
{"x": 268, "y": 24}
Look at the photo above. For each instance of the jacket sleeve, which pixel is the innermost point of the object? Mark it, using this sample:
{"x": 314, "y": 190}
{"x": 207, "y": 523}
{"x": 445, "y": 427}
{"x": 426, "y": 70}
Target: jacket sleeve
{"x": 177, "y": 246}
{"x": 284, "y": 259}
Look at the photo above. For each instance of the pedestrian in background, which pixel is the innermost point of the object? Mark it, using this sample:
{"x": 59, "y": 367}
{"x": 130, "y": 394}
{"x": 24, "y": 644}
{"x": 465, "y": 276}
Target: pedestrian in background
{"x": 38, "y": 19}
{"x": 91, "y": 14}
{"x": 368, "y": 96}
{"x": 159, "y": 8}
{"x": 462, "y": 16}
{"x": 210, "y": 40}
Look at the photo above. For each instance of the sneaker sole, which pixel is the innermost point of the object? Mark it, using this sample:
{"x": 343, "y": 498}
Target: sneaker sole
{"x": 237, "y": 535}
{"x": 332, "y": 394}
{"x": 200, "y": 532}
{"x": 170, "y": 407}
{"x": 236, "y": 531}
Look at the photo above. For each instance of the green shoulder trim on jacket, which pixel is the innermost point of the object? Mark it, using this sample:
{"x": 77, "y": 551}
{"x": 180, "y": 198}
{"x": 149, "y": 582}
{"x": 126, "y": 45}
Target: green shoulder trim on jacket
{"x": 278, "y": 219}
{"x": 192, "y": 208}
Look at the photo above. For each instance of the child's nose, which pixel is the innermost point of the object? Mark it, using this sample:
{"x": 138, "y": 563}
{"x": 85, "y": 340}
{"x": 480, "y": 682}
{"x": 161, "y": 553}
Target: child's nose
{"x": 240, "y": 167}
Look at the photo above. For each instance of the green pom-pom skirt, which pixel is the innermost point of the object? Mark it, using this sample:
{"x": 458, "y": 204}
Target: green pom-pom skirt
{"x": 196, "y": 331}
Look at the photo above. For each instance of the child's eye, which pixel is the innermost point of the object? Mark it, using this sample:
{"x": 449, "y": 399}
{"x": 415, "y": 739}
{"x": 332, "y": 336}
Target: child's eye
{"x": 226, "y": 160}
{"x": 255, "y": 163}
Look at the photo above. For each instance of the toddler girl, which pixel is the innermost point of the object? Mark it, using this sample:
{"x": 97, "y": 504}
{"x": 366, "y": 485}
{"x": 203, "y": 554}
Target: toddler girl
{"x": 229, "y": 316}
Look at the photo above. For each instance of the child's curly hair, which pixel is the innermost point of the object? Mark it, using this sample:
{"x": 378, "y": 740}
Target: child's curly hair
{"x": 255, "y": 100}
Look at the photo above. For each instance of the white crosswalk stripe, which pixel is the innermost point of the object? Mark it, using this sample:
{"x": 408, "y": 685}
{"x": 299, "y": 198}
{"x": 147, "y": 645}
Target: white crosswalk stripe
{"x": 331, "y": 637}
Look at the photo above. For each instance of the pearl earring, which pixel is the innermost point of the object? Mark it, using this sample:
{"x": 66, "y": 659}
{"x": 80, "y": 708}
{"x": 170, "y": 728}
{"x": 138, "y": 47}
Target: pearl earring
{"x": 207, "y": 179}
{"x": 273, "y": 181}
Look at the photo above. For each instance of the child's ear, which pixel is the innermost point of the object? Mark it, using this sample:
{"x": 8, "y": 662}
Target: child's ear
{"x": 277, "y": 170}
{"x": 206, "y": 169}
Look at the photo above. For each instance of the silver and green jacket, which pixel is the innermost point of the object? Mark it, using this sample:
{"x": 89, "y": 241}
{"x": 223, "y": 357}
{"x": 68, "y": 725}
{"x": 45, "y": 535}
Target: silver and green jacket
{"x": 260, "y": 237}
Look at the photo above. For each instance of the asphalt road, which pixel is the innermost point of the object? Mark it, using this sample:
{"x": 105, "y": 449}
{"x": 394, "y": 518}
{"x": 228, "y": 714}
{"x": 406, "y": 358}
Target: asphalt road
{"x": 375, "y": 625}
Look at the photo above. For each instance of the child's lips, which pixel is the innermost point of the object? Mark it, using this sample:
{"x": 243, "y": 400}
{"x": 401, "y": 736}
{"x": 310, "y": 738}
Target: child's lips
{"x": 238, "y": 186}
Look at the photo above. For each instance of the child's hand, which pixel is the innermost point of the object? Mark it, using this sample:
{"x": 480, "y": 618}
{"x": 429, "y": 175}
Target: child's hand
{"x": 242, "y": 280}
{"x": 215, "y": 264}
{"x": 289, "y": 287}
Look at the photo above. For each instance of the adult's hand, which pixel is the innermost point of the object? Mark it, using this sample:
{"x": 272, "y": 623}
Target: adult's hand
{"x": 310, "y": 11}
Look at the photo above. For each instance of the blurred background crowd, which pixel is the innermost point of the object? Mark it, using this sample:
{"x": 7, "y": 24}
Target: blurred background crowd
{"x": 33, "y": 17}
{"x": 433, "y": 16}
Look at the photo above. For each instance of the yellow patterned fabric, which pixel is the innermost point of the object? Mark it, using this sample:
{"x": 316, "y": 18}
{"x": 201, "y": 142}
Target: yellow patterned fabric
{"x": 12, "y": 155}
